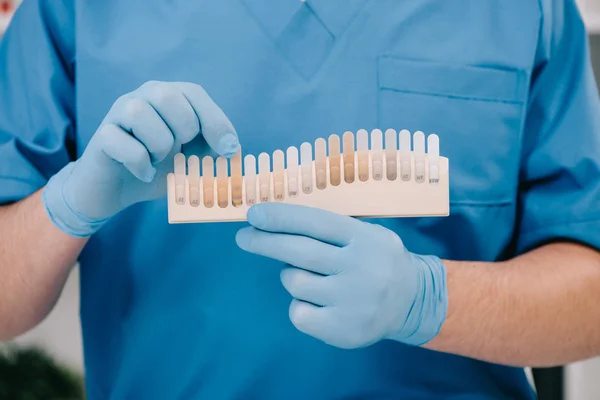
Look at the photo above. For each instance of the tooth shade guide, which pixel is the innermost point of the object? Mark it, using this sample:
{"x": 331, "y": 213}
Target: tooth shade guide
{"x": 371, "y": 198}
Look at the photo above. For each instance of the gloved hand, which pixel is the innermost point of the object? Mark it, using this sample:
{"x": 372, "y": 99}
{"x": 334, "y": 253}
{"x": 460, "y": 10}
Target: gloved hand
{"x": 353, "y": 283}
{"x": 129, "y": 156}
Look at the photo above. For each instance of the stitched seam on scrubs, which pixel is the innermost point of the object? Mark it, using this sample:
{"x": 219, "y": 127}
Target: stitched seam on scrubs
{"x": 562, "y": 223}
{"x": 318, "y": 17}
{"x": 347, "y": 24}
{"x": 456, "y": 97}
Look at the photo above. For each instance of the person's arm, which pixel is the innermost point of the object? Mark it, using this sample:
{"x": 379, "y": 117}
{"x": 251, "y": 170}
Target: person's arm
{"x": 539, "y": 309}
{"x": 35, "y": 260}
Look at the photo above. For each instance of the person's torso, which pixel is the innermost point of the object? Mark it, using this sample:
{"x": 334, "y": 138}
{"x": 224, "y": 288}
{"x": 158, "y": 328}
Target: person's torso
{"x": 180, "y": 311}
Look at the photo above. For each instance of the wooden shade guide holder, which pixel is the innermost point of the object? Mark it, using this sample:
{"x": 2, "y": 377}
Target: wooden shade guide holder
{"x": 356, "y": 175}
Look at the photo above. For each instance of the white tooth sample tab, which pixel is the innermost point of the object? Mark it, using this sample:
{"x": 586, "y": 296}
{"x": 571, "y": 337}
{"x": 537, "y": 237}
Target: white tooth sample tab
{"x": 321, "y": 163}
{"x": 194, "y": 180}
{"x": 264, "y": 177}
{"x": 278, "y": 175}
{"x": 405, "y": 169}
{"x": 250, "y": 179}
{"x": 292, "y": 171}
{"x": 377, "y": 154}
{"x": 222, "y": 183}
{"x": 348, "y": 159}
{"x": 306, "y": 166}
{"x": 433, "y": 155}
{"x": 179, "y": 173}
{"x": 208, "y": 181}
{"x": 334, "y": 160}
{"x": 391, "y": 154}
{"x": 362, "y": 147}
{"x": 236, "y": 179}
{"x": 419, "y": 140}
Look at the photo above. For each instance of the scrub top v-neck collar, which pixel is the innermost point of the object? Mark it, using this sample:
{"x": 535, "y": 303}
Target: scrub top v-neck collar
{"x": 304, "y": 31}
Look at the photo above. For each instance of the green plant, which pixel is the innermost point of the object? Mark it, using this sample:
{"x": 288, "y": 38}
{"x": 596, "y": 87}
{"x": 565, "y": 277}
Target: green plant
{"x": 32, "y": 374}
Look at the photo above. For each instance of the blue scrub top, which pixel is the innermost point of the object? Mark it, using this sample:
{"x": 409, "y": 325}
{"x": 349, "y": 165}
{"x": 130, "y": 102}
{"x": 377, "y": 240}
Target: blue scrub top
{"x": 179, "y": 311}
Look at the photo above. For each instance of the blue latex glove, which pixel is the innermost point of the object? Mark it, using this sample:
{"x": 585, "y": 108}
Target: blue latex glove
{"x": 354, "y": 283}
{"x": 129, "y": 156}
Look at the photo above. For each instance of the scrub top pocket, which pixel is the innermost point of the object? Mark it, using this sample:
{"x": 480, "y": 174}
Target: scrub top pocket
{"x": 478, "y": 113}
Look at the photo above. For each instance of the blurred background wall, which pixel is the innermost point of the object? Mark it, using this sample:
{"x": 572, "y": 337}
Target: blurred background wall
{"x": 60, "y": 332}
{"x": 595, "y": 48}
{"x": 583, "y": 379}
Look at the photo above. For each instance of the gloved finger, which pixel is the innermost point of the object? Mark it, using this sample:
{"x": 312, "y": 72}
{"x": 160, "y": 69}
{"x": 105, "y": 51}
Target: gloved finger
{"x": 299, "y": 251}
{"x": 306, "y": 286}
{"x": 316, "y": 223}
{"x": 120, "y": 146}
{"x": 214, "y": 124}
{"x": 141, "y": 119}
{"x": 173, "y": 108}
{"x": 322, "y": 323}
{"x": 308, "y": 318}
